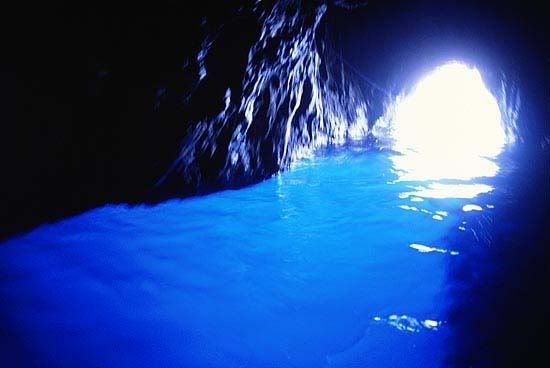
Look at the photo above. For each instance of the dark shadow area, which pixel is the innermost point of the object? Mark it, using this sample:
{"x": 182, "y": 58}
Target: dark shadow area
{"x": 95, "y": 102}
{"x": 498, "y": 291}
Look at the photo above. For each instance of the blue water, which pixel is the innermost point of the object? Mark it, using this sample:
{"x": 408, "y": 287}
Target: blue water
{"x": 326, "y": 265}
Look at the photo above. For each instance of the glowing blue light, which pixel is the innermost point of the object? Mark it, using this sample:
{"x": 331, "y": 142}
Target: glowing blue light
{"x": 448, "y": 127}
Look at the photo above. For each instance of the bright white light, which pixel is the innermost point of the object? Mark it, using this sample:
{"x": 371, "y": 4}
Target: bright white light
{"x": 450, "y": 112}
{"x": 471, "y": 207}
{"x": 448, "y": 127}
{"x": 427, "y": 249}
{"x": 438, "y": 190}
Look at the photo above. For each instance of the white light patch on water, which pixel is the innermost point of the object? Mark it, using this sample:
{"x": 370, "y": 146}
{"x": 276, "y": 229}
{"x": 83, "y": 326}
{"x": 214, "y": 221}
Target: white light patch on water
{"x": 448, "y": 127}
{"x": 439, "y": 215}
{"x": 471, "y": 207}
{"x": 409, "y": 324}
{"x": 430, "y": 324}
{"x": 414, "y": 166}
{"x": 438, "y": 190}
{"x": 427, "y": 249}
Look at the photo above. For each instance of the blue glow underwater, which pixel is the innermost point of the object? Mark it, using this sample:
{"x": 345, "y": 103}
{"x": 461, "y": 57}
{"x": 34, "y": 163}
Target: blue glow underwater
{"x": 335, "y": 263}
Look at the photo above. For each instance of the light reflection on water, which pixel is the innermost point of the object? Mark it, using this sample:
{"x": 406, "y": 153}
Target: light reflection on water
{"x": 439, "y": 190}
{"x": 412, "y": 166}
{"x": 324, "y": 265}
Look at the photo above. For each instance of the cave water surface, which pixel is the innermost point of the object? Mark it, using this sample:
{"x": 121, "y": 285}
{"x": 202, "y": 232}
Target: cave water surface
{"x": 335, "y": 263}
